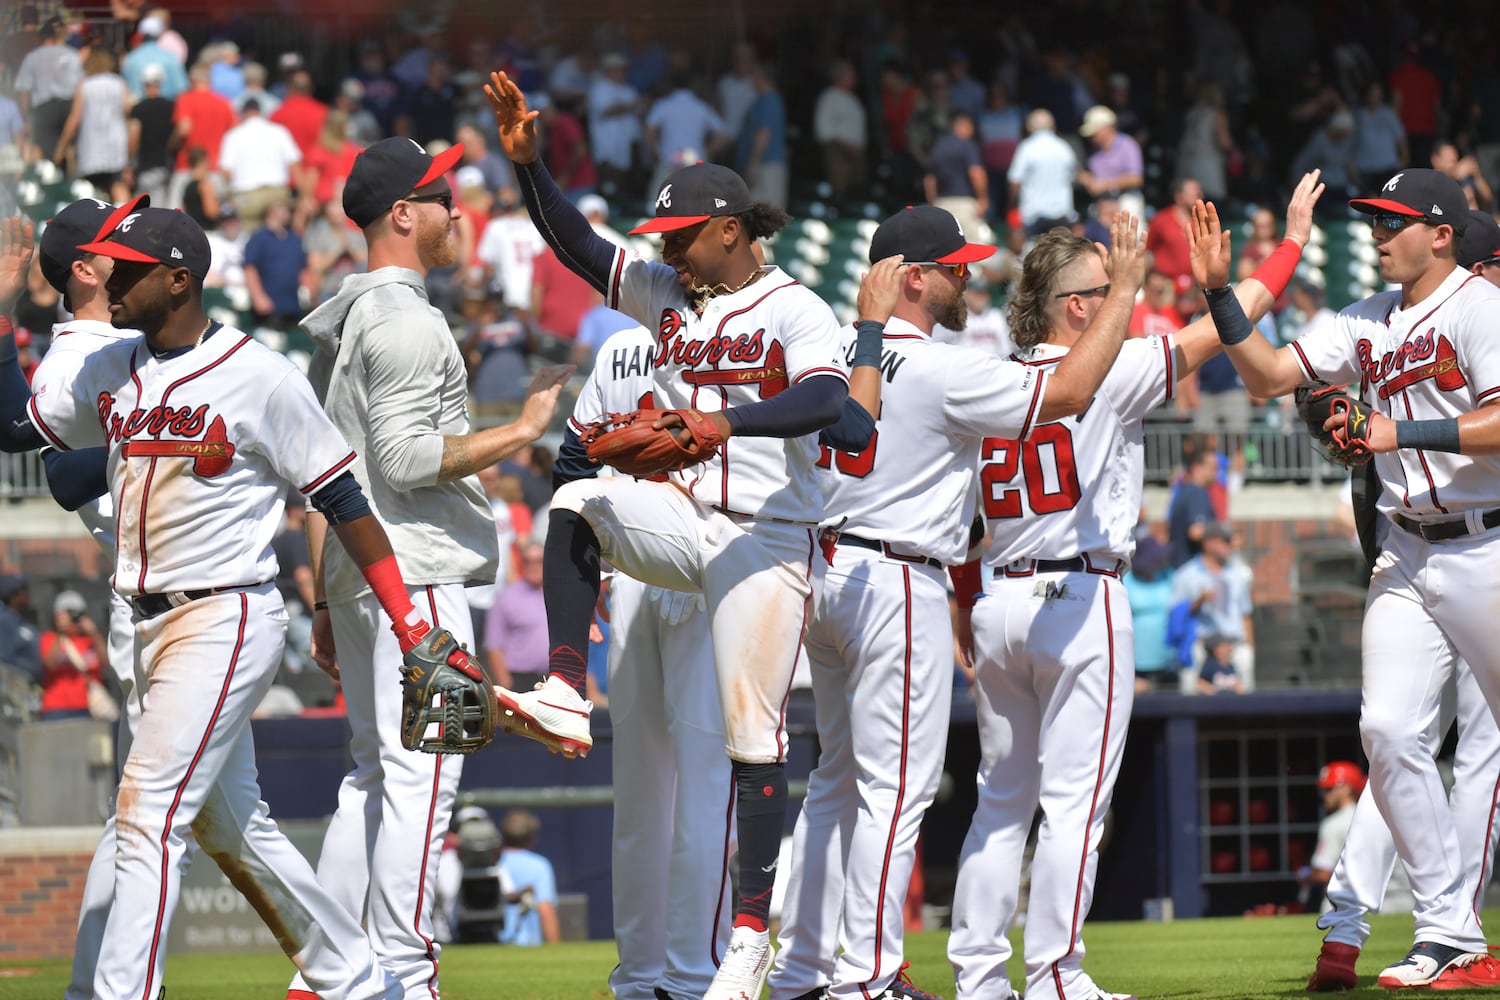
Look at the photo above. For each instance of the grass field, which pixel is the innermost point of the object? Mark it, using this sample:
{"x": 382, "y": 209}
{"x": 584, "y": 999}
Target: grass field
{"x": 1187, "y": 960}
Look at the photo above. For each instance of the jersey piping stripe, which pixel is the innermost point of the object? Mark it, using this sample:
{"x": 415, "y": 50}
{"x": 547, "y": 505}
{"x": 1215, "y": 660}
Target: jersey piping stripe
{"x": 432, "y": 803}
{"x": 1171, "y": 362}
{"x": 786, "y": 696}
{"x": 1083, "y": 860}
{"x": 1033, "y": 409}
{"x": 1432, "y": 491}
{"x": 318, "y": 483}
{"x": 41, "y": 425}
{"x": 1307, "y": 367}
{"x": 719, "y": 331}
{"x": 890, "y": 839}
{"x": 724, "y": 887}
{"x": 839, "y": 372}
{"x": 166, "y": 830}
{"x": 1486, "y": 394}
{"x": 616, "y": 272}
{"x": 1488, "y": 854}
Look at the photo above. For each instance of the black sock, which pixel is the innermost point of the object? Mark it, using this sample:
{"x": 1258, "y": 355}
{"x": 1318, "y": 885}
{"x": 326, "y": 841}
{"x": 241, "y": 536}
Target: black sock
{"x": 760, "y": 815}
{"x": 570, "y": 588}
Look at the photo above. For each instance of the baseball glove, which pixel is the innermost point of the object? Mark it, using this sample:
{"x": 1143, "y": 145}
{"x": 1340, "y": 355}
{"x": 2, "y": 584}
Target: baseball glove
{"x": 1347, "y": 443}
{"x": 628, "y": 442}
{"x": 443, "y": 686}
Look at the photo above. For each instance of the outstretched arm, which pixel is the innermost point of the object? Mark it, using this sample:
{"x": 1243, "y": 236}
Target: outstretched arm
{"x": 16, "y": 246}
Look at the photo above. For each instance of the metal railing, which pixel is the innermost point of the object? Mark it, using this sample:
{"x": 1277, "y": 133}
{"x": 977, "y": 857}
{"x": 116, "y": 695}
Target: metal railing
{"x": 22, "y": 475}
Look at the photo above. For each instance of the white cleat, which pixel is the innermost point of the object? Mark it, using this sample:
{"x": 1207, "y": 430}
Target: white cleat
{"x": 743, "y": 971}
{"x": 553, "y": 714}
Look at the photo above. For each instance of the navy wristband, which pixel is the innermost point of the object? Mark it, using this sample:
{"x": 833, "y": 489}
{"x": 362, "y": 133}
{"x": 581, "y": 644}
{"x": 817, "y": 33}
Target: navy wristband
{"x": 1229, "y": 318}
{"x": 1428, "y": 435}
{"x": 869, "y": 336}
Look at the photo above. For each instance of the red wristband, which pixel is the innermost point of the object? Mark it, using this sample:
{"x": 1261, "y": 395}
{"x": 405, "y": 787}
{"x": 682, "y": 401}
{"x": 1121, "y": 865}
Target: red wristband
{"x": 5, "y": 325}
{"x": 384, "y": 577}
{"x": 968, "y": 582}
{"x": 1275, "y": 272}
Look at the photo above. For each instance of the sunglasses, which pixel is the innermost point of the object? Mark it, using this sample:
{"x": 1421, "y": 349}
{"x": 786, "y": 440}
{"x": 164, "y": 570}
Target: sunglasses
{"x": 1085, "y": 292}
{"x": 443, "y": 198}
{"x": 957, "y": 270}
{"x": 1395, "y": 222}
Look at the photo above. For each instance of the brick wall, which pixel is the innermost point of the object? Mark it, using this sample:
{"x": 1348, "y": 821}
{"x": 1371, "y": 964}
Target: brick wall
{"x": 41, "y": 886}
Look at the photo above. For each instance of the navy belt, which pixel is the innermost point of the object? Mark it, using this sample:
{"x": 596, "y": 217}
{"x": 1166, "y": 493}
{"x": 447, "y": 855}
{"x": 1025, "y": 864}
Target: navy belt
{"x": 151, "y": 605}
{"x": 1078, "y": 564}
{"x": 1438, "y": 531}
{"x": 885, "y": 549}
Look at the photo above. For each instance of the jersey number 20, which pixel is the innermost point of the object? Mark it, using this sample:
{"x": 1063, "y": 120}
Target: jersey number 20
{"x": 1045, "y": 462}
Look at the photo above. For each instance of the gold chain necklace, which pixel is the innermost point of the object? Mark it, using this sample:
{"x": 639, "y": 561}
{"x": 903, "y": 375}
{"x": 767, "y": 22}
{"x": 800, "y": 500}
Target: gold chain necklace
{"x": 700, "y": 294}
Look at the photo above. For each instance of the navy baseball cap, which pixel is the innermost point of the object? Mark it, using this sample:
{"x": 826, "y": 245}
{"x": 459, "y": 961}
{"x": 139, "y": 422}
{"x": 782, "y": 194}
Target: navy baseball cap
{"x": 1481, "y": 242}
{"x": 1429, "y": 195}
{"x": 694, "y": 194}
{"x": 926, "y": 233}
{"x": 388, "y": 171}
{"x": 154, "y": 236}
{"x": 81, "y": 222}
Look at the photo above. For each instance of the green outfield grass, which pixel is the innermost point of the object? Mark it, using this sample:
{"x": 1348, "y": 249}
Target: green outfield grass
{"x": 1187, "y": 960}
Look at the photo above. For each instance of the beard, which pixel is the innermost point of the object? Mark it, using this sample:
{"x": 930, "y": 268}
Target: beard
{"x": 434, "y": 245}
{"x": 951, "y": 312}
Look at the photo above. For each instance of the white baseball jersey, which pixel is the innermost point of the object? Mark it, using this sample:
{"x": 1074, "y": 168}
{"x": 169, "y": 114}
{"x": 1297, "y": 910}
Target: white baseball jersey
{"x": 1435, "y": 359}
{"x": 746, "y": 347}
{"x": 72, "y": 343}
{"x": 508, "y": 246}
{"x": 1073, "y": 487}
{"x": 670, "y": 885}
{"x": 943, "y": 401}
{"x": 198, "y": 455}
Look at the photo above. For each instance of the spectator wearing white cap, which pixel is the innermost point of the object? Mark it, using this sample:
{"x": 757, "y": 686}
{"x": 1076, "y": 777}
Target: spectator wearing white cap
{"x": 614, "y": 114}
{"x": 72, "y": 658}
{"x": 1116, "y": 169}
{"x": 150, "y": 135}
{"x": 151, "y": 53}
{"x": 168, "y": 38}
{"x": 255, "y": 90}
{"x": 361, "y": 127}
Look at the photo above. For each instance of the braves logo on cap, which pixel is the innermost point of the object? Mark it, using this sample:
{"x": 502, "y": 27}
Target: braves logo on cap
{"x": 127, "y": 222}
{"x": 1390, "y": 185}
{"x": 664, "y": 200}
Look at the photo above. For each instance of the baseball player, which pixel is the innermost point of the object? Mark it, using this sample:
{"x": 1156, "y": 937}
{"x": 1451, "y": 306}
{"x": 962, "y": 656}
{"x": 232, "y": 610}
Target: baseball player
{"x": 1369, "y": 856}
{"x": 880, "y": 641}
{"x": 204, "y": 429}
{"x": 759, "y": 355}
{"x": 1051, "y": 636}
{"x": 390, "y": 376}
{"x": 78, "y": 482}
{"x": 671, "y": 886}
{"x": 1427, "y": 366}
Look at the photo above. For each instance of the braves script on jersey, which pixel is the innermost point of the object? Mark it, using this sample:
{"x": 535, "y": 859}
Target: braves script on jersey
{"x": 197, "y": 453}
{"x": 1438, "y": 358}
{"x": 747, "y": 346}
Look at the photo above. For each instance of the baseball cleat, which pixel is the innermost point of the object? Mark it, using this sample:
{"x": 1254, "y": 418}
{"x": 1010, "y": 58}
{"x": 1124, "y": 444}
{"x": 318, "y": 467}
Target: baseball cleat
{"x": 743, "y": 971}
{"x": 902, "y": 988}
{"x": 1099, "y": 993}
{"x": 1335, "y": 969}
{"x": 1483, "y": 972}
{"x": 1426, "y": 961}
{"x": 553, "y": 714}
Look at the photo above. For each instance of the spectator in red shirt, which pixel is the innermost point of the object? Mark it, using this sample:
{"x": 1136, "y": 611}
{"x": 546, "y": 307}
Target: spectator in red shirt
{"x": 1156, "y": 314}
{"x": 324, "y": 168}
{"x": 71, "y": 658}
{"x": 201, "y": 117}
{"x": 559, "y": 299}
{"x": 301, "y": 113}
{"x": 1167, "y": 236}
{"x": 1416, "y": 95}
{"x": 567, "y": 150}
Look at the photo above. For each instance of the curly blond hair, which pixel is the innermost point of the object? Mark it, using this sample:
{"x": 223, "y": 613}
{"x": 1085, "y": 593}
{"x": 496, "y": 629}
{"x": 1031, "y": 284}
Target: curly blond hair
{"x": 1031, "y": 305}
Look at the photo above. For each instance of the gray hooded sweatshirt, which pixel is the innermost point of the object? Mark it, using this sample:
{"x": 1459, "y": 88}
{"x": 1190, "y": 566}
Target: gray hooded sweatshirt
{"x": 391, "y": 378}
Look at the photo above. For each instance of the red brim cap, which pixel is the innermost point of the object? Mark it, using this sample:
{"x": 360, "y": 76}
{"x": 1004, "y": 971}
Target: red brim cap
{"x": 1370, "y": 206}
{"x": 441, "y": 164}
{"x": 118, "y": 216}
{"x": 118, "y": 251}
{"x": 667, "y": 223}
{"x": 969, "y": 253}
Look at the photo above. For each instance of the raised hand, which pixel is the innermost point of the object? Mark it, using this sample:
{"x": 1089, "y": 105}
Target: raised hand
{"x": 16, "y": 246}
{"x": 1299, "y": 210}
{"x": 541, "y": 397}
{"x": 1208, "y": 245}
{"x": 516, "y": 124}
{"x": 880, "y": 289}
{"x": 1125, "y": 260}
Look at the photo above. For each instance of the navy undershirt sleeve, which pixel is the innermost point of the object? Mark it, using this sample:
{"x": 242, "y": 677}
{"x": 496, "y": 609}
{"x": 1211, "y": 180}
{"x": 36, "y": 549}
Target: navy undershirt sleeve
{"x": 342, "y": 500}
{"x": 853, "y": 430}
{"x": 572, "y": 462}
{"x": 76, "y": 477}
{"x": 805, "y": 408}
{"x": 16, "y": 432}
{"x": 567, "y": 232}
